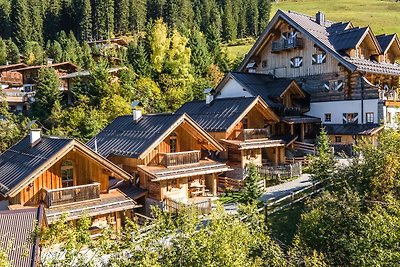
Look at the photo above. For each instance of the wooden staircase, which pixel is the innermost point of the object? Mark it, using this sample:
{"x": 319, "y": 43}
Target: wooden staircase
{"x": 309, "y": 148}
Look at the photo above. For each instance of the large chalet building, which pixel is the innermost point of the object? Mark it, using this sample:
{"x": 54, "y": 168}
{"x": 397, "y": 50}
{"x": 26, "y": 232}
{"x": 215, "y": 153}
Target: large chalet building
{"x": 349, "y": 73}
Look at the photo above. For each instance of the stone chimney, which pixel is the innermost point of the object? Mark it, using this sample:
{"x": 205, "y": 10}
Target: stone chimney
{"x": 35, "y": 135}
{"x": 320, "y": 18}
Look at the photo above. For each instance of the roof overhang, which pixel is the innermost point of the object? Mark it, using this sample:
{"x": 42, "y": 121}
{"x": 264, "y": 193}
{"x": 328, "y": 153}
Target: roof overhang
{"x": 294, "y": 84}
{"x": 185, "y": 118}
{"x": 300, "y": 119}
{"x": 368, "y": 32}
{"x": 281, "y": 15}
{"x": 255, "y": 143}
{"x": 74, "y": 144}
{"x": 161, "y": 174}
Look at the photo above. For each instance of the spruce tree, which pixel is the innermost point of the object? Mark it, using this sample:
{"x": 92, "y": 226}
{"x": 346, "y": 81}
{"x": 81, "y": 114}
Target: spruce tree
{"x": 251, "y": 191}
{"x": 137, "y": 15}
{"x": 85, "y": 21}
{"x": 5, "y": 19}
{"x": 264, "y": 10}
{"x": 121, "y": 9}
{"x": 36, "y": 21}
{"x": 52, "y": 20}
{"x": 229, "y": 25}
{"x": 103, "y": 18}
{"x": 12, "y": 52}
{"x": 200, "y": 58}
{"x": 20, "y": 21}
{"x": 3, "y": 52}
{"x": 252, "y": 18}
{"x": 138, "y": 58}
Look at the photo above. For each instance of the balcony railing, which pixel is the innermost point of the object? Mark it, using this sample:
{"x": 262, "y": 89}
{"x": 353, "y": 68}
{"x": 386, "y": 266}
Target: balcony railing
{"x": 179, "y": 158}
{"x": 389, "y": 95}
{"x": 284, "y": 44}
{"x": 249, "y": 134}
{"x": 73, "y": 194}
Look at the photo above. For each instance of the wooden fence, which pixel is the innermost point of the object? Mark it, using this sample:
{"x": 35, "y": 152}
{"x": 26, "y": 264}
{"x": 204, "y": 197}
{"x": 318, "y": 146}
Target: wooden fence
{"x": 202, "y": 207}
{"x": 280, "y": 172}
{"x": 310, "y": 148}
{"x": 225, "y": 183}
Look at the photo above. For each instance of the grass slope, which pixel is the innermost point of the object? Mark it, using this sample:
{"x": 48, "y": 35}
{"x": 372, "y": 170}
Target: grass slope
{"x": 382, "y": 15}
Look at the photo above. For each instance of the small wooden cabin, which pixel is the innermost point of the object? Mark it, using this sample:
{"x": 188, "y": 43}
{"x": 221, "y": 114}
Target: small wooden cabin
{"x": 246, "y": 126}
{"x": 67, "y": 177}
{"x": 169, "y": 154}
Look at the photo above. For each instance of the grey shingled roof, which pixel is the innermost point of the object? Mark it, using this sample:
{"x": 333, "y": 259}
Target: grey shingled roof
{"x": 385, "y": 40}
{"x": 18, "y": 162}
{"x": 352, "y": 129}
{"x": 124, "y": 137}
{"x": 267, "y": 87}
{"x": 219, "y": 115}
{"x": 16, "y": 228}
{"x": 331, "y": 36}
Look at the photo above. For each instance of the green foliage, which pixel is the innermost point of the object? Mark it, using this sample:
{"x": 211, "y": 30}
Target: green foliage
{"x": 3, "y": 52}
{"x": 47, "y": 92}
{"x": 4, "y": 259}
{"x": 251, "y": 190}
{"x": 323, "y": 163}
{"x": 33, "y": 52}
{"x": 12, "y": 52}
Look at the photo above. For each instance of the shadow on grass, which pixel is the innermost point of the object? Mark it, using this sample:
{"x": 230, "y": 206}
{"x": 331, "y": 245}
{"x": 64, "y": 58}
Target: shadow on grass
{"x": 283, "y": 224}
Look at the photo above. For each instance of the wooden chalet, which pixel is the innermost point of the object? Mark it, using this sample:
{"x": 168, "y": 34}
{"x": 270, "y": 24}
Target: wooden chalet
{"x": 67, "y": 177}
{"x": 350, "y": 74}
{"x": 246, "y": 126}
{"x": 168, "y": 154}
{"x": 11, "y": 85}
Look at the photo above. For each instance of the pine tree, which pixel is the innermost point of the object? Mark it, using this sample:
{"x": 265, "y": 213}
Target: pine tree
{"x": 55, "y": 52}
{"x": 103, "y": 18}
{"x": 251, "y": 191}
{"x": 264, "y": 10}
{"x": 36, "y": 21}
{"x": 20, "y": 21}
{"x": 121, "y": 16}
{"x": 137, "y": 15}
{"x": 85, "y": 21}
{"x": 47, "y": 93}
{"x": 138, "y": 58}
{"x": 229, "y": 25}
{"x": 12, "y": 52}
{"x": 52, "y": 20}
{"x": 200, "y": 57}
{"x": 252, "y": 18}
{"x": 5, "y": 19}
{"x": 214, "y": 42}
{"x": 155, "y": 9}
{"x": 3, "y": 52}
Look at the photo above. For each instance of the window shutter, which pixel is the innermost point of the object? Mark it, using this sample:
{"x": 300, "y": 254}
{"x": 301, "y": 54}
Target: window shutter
{"x": 326, "y": 86}
{"x": 300, "y": 60}
{"x": 323, "y": 58}
{"x": 314, "y": 59}
{"x": 292, "y": 62}
{"x": 339, "y": 86}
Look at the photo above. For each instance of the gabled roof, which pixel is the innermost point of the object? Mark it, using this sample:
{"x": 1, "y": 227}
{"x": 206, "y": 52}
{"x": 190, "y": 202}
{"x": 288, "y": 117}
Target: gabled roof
{"x": 386, "y": 41}
{"x": 263, "y": 85}
{"x": 331, "y": 37}
{"x": 222, "y": 113}
{"x": 21, "y": 163}
{"x": 352, "y": 129}
{"x": 87, "y": 73}
{"x": 55, "y": 65}
{"x": 16, "y": 230}
{"x": 124, "y": 137}
{"x": 12, "y": 66}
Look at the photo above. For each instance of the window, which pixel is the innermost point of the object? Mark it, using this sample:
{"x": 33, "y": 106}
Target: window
{"x": 172, "y": 143}
{"x": 328, "y": 117}
{"x": 244, "y": 122}
{"x": 369, "y": 117}
{"x": 318, "y": 58}
{"x": 338, "y": 139}
{"x": 350, "y": 118}
{"x": 67, "y": 173}
{"x": 296, "y": 62}
{"x": 264, "y": 64}
{"x": 334, "y": 85}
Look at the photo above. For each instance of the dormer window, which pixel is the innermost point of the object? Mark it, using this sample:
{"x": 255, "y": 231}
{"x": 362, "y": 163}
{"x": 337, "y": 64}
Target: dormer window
{"x": 296, "y": 62}
{"x": 318, "y": 58}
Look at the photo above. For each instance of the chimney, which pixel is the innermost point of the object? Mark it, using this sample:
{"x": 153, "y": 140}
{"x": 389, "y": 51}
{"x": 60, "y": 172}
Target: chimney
{"x": 137, "y": 111}
{"x": 320, "y": 18}
{"x": 35, "y": 137}
{"x": 209, "y": 96}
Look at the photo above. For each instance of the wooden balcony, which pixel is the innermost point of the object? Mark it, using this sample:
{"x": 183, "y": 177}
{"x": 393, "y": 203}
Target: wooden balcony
{"x": 286, "y": 44}
{"x": 390, "y": 95}
{"x": 73, "y": 194}
{"x": 250, "y": 134}
{"x": 179, "y": 158}
{"x": 201, "y": 207}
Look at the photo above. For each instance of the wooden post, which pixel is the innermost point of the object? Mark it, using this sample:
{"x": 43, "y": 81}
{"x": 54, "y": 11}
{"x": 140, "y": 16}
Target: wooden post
{"x": 276, "y": 156}
{"x": 291, "y": 129}
{"x": 302, "y": 132}
{"x": 215, "y": 184}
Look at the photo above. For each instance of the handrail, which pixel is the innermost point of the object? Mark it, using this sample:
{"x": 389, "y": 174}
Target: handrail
{"x": 71, "y": 187}
{"x": 179, "y": 153}
{"x": 73, "y": 194}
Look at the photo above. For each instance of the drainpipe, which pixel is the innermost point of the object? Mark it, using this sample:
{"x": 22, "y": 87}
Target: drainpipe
{"x": 362, "y": 100}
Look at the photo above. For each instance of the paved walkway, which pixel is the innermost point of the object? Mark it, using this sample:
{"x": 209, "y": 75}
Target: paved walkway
{"x": 284, "y": 189}
{"x": 277, "y": 191}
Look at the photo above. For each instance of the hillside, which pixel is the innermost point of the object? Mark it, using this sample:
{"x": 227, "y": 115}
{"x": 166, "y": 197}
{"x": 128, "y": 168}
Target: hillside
{"x": 381, "y": 15}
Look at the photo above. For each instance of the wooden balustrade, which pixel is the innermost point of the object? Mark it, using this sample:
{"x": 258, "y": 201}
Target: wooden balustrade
{"x": 285, "y": 44}
{"x": 68, "y": 195}
{"x": 201, "y": 207}
{"x": 250, "y": 134}
{"x": 179, "y": 158}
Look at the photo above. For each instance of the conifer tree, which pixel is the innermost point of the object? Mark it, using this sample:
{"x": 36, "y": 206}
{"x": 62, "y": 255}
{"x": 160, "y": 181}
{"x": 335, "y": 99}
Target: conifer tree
{"x": 52, "y": 20}
{"x": 137, "y": 15}
{"x": 36, "y": 21}
{"x": 264, "y": 10}
{"x": 12, "y": 52}
{"x": 5, "y": 19}
{"x": 200, "y": 57}
{"x": 103, "y": 18}
{"x": 3, "y": 52}
{"x": 21, "y": 22}
{"x": 229, "y": 25}
{"x": 322, "y": 164}
{"x": 252, "y": 18}
{"x": 121, "y": 9}
{"x": 251, "y": 191}
{"x": 85, "y": 22}
{"x": 138, "y": 58}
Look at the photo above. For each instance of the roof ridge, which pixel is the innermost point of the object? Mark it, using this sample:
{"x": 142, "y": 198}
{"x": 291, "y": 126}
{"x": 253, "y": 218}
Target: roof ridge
{"x": 312, "y": 18}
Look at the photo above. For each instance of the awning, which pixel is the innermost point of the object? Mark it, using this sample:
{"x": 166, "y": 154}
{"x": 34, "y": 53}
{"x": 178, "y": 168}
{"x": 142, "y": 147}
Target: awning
{"x": 159, "y": 173}
{"x": 255, "y": 143}
{"x": 300, "y": 119}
